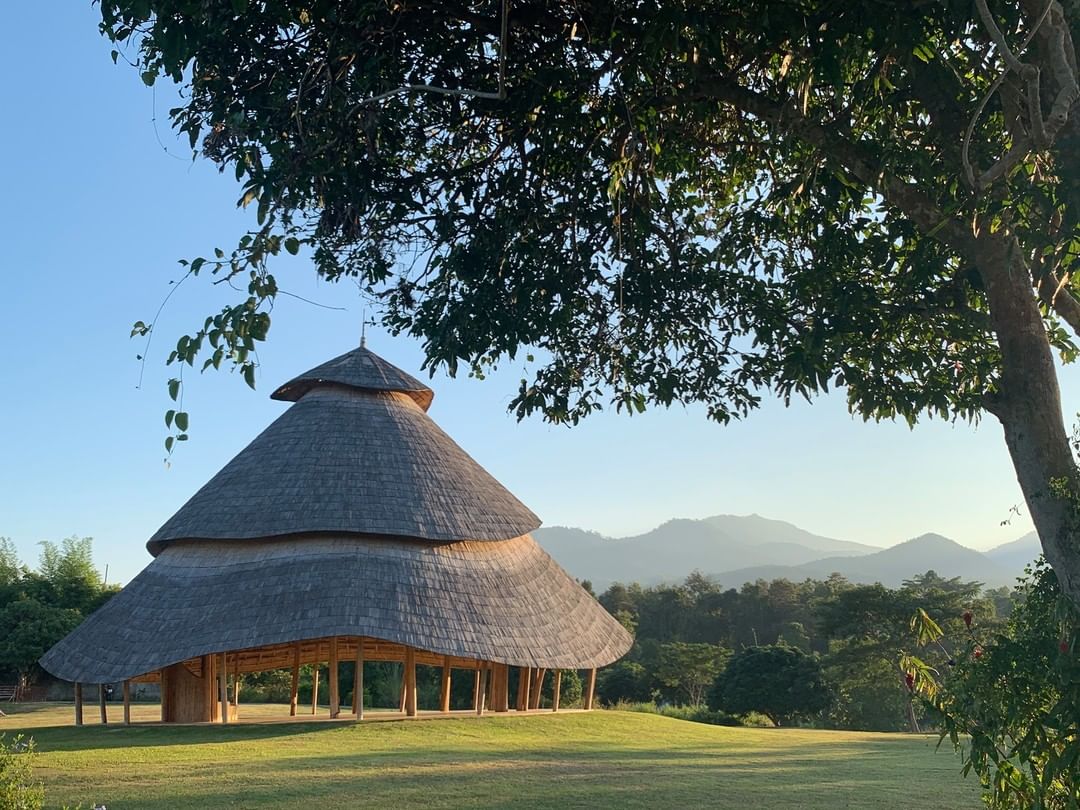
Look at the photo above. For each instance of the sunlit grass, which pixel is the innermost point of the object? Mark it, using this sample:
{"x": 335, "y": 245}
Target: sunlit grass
{"x": 598, "y": 759}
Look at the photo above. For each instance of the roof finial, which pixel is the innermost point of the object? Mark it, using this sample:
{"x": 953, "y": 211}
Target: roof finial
{"x": 363, "y": 329}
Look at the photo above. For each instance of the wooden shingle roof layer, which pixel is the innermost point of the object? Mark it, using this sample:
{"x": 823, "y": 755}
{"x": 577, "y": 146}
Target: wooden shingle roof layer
{"x": 343, "y": 460}
{"x": 503, "y": 601}
{"x": 361, "y": 369}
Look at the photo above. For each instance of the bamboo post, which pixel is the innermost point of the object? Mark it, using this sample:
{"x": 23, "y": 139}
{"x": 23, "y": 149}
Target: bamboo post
{"x": 335, "y": 694}
{"x": 591, "y": 689}
{"x": 444, "y": 689}
{"x": 101, "y": 704}
{"x": 404, "y": 688}
{"x": 556, "y": 688}
{"x": 410, "y": 682}
{"x": 502, "y": 702}
{"x": 294, "y": 689}
{"x": 78, "y": 704}
{"x": 127, "y": 703}
{"x": 537, "y": 688}
{"x": 358, "y": 681}
{"x": 223, "y": 687}
{"x": 481, "y": 686}
{"x": 476, "y": 686}
{"x": 524, "y": 678}
{"x": 236, "y": 683}
{"x": 315, "y": 689}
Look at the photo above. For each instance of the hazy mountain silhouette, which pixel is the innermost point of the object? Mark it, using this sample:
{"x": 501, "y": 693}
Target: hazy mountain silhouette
{"x": 890, "y": 566}
{"x": 736, "y": 549}
{"x": 1018, "y": 553}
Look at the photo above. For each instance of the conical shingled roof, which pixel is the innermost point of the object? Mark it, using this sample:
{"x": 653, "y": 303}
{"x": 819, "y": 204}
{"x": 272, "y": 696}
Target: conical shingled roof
{"x": 351, "y": 459}
{"x": 361, "y": 369}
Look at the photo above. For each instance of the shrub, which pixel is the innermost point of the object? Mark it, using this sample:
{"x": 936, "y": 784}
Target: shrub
{"x": 18, "y": 790}
{"x": 781, "y": 682}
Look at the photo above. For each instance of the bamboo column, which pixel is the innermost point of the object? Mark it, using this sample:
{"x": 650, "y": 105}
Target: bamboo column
{"x": 358, "y": 681}
{"x": 78, "y": 704}
{"x": 524, "y": 677}
{"x": 335, "y": 694}
{"x": 294, "y": 689}
{"x": 127, "y": 703}
{"x": 537, "y": 687}
{"x": 556, "y": 688}
{"x": 590, "y": 689}
{"x": 481, "y": 689}
{"x": 410, "y": 682}
{"x": 404, "y": 688}
{"x": 315, "y": 689}
{"x": 101, "y": 704}
{"x": 476, "y": 686}
{"x": 236, "y": 683}
{"x": 223, "y": 687}
{"x": 444, "y": 687}
{"x": 501, "y": 691}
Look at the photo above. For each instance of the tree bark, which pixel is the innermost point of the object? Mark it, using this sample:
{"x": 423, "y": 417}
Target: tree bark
{"x": 1028, "y": 406}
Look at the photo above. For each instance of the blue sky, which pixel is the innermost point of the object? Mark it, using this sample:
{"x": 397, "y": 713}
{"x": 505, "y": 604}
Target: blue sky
{"x": 97, "y": 214}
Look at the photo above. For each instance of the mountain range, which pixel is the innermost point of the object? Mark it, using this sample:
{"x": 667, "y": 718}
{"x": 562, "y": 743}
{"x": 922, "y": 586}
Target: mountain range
{"x": 733, "y": 549}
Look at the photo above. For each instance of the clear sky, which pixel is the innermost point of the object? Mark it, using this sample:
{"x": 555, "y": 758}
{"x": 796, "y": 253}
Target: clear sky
{"x": 97, "y": 214}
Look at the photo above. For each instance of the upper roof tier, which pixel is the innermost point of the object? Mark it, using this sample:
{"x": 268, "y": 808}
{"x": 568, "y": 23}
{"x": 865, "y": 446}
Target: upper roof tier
{"x": 361, "y": 369}
{"x": 354, "y": 455}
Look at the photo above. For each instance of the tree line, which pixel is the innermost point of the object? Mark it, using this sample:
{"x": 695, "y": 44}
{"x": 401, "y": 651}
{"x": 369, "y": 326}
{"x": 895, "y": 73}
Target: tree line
{"x": 841, "y": 646}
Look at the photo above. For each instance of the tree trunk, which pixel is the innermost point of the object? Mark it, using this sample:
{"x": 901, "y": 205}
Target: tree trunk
{"x": 1028, "y": 406}
{"x": 913, "y": 721}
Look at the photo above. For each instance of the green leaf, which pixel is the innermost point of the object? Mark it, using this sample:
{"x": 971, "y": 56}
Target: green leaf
{"x": 174, "y": 389}
{"x": 249, "y": 374}
{"x": 292, "y": 245}
{"x": 169, "y": 441}
{"x": 182, "y": 421}
{"x": 169, "y": 415}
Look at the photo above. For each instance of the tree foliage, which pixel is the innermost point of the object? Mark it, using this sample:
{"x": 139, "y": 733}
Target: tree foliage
{"x": 783, "y": 683}
{"x": 38, "y": 608}
{"x": 660, "y": 202}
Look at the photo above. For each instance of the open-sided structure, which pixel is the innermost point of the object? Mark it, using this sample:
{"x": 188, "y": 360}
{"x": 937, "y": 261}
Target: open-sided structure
{"x": 352, "y": 528}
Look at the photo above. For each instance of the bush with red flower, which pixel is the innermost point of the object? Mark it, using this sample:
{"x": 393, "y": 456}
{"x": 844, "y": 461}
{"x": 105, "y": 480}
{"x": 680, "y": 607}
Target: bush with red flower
{"x": 1010, "y": 701}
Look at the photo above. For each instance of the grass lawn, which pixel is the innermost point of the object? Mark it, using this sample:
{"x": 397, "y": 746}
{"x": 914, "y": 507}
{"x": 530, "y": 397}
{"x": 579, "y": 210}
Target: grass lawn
{"x": 599, "y": 759}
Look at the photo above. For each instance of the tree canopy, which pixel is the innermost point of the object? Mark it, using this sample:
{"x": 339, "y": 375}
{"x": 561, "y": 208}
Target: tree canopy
{"x": 662, "y": 202}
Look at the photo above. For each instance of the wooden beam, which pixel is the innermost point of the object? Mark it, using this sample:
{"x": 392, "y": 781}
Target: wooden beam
{"x": 358, "y": 681}
{"x": 101, "y": 704}
{"x": 294, "y": 689}
{"x": 78, "y": 704}
{"x": 556, "y": 688}
{"x": 444, "y": 687}
{"x": 315, "y": 689}
{"x": 404, "y": 692}
{"x": 335, "y": 693}
{"x": 223, "y": 687}
{"x": 410, "y": 682}
{"x": 127, "y": 703}
{"x": 590, "y": 689}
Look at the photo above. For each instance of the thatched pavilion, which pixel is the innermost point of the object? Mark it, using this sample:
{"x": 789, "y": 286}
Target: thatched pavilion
{"x": 352, "y": 528}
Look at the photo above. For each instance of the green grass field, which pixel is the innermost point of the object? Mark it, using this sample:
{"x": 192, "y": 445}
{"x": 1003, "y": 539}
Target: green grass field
{"x": 599, "y": 759}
